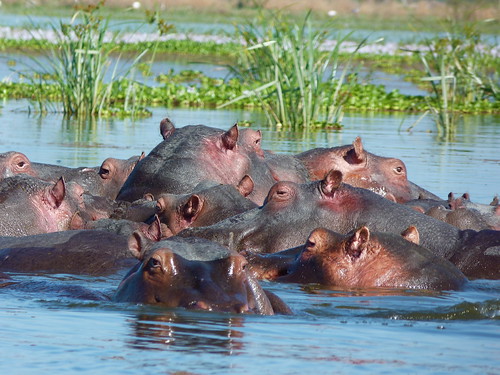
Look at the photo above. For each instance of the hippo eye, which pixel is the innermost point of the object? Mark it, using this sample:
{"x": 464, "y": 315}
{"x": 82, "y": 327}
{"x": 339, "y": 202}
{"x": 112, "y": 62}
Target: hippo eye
{"x": 154, "y": 263}
{"x": 281, "y": 193}
{"x": 399, "y": 170}
{"x": 159, "y": 206}
{"x": 21, "y": 164}
{"x": 104, "y": 172}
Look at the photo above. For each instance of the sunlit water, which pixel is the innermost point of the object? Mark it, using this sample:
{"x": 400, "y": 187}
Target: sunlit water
{"x": 48, "y": 324}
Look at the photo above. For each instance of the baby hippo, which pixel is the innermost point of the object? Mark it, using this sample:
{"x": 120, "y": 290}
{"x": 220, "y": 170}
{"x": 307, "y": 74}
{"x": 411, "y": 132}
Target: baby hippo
{"x": 366, "y": 259}
{"x": 194, "y": 273}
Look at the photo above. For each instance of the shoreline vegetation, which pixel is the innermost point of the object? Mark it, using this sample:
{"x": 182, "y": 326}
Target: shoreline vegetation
{"x": 467, "y": 60}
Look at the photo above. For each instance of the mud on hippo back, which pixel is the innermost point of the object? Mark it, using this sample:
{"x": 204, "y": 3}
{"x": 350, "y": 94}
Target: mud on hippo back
{"x": 194, "y": 273}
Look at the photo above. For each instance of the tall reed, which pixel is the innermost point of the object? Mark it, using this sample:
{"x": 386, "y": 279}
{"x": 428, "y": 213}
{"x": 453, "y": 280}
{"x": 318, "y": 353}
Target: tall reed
{"x": 79, "y": 65}
{"x": 461, "y": 73}
{"x": 297, "y": 82}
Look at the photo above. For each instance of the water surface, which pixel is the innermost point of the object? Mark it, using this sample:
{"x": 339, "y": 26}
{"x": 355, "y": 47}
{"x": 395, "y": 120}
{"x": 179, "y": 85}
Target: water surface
{"x": 49, "y": 325}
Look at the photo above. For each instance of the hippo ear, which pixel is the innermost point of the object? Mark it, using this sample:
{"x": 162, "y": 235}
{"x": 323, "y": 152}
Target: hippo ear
{"x": 317, "y": 240}
{"x": 418, "y": 209}
{"x": 230, "y": 138}
{"x": 107, "y": 168}
{"x": 148, "y": 197}
{"x": 411, "y": 234}
{"x": 192, "y": 208}
{"x": 137, "y": 244}
{"x": 76, "y": 222}
{"x": 357, "y": 154}
{"x": 358, "y": 242}
{"x": 494, "y": 202}
{"x": 56, "y": 194}
{"x": 142, "y": 156}
{"x": 245, "y": 186}
{"x": 167, "y": 128}
{"x": 331, "y": 182}
{"x": 153, "y": 231}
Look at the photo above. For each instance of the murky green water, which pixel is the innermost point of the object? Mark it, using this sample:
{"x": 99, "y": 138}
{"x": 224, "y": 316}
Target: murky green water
{"x": 48, "y": 325}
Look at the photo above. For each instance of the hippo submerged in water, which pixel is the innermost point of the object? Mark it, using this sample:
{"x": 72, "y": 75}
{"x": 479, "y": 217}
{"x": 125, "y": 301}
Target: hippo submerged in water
{"x": 292, "y": 211}
{"x": 360, "y": 259}
{"x": 195, "y": 274}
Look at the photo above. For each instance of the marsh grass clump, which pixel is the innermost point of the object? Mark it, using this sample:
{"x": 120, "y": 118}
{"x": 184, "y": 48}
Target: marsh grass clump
{"x": 462, "y": 74}
{"x": 296, "y": 81}
{"x": 79, "y": 63}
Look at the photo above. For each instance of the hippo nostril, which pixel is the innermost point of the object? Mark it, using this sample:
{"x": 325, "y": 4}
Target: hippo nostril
{"x": 240, "y": 308}
{"x": 199, "y": 305}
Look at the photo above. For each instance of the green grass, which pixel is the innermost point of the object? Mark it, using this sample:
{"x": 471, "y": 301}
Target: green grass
{"x": 460, "y": 75}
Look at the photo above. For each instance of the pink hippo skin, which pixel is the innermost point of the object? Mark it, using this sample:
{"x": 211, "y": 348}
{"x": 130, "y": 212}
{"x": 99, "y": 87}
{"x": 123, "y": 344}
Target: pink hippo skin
{"x": 194, "y": 154}
{"x": 194, "y": 274}
{"x": 365, "y": 259}
{"x": 32, "y": 206}
{"x": 385, "y": 176}
{"x": 292, "y": 211}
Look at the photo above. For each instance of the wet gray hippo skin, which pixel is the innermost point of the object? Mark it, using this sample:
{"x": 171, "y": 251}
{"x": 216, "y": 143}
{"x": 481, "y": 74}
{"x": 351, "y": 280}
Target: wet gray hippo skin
{"x": 193, "y": 154}
{"x": 463, "y": 216}
{"x": 31, "y": 206}
{"x": 105, "y": 180}
{"x": 292, "y": 211}
{"x": 82, "y": 252}
{"x": 361, "y": 259}
{"x": 194, "y": 273}
{"x": 205, "y": 206}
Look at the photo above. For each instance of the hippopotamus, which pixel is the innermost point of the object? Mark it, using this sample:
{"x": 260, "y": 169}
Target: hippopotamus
{"x": 12, "y": 163}
{"x": 193, "y": 154}
{"x": 205, "y": 206}
{"x": 81, "y": 252}
{"x": 361, "y": 259}
{"x": 490, "y": 213}
{"x": 386, "y": 176}
{"x": 291, "y": 211}
{"x": 29, "y": 205}
{"x": 105, "y": 180}
{"x": 459, "y": 212}
{"x": 194, "y": 273}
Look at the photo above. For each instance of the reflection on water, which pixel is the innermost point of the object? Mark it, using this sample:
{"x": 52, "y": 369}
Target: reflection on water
{"x": 184, "y": 331}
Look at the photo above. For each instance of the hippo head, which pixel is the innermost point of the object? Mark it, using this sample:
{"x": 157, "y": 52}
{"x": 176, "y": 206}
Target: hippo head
{"x": 12, "y": 163}
{"x": 385, "y": 176}
{"x": 114, "y": 173}
{"x": 251, "y": 140}
{"x": 205, "y": 206}
{"x": 191, "y": 273}
{"x": 366, "y": 259}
